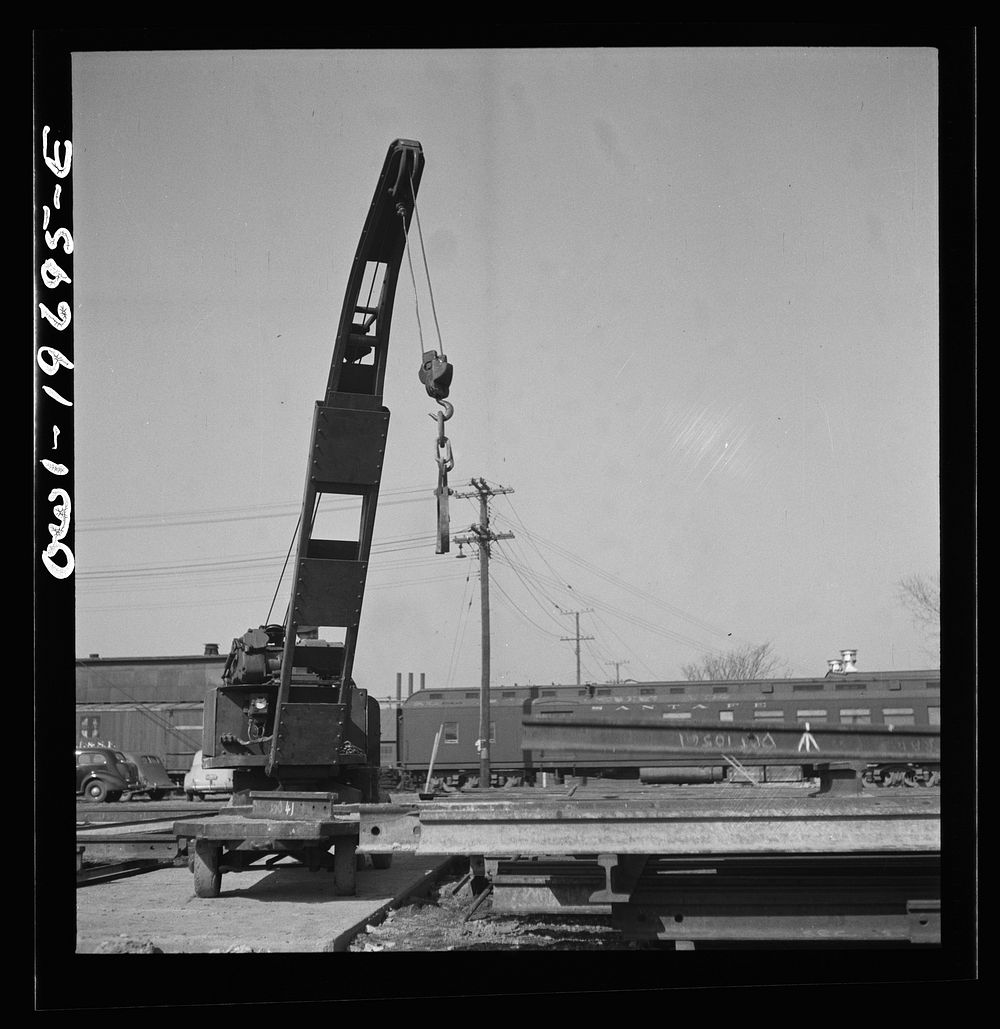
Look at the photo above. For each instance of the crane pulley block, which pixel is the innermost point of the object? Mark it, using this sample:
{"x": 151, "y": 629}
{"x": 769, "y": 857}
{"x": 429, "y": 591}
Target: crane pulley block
{"x": 435, "y": 373}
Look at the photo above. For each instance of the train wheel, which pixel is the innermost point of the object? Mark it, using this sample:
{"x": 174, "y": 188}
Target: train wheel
{"x": 96, "y": 791}
{"x": 207, "y": 877}
{"x": 157, "y": 794}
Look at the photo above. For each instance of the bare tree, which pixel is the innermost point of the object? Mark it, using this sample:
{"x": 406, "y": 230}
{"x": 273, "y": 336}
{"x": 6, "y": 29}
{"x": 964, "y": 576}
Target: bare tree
{"x": 921, "y": 596}
{"x": 746, "y": 662}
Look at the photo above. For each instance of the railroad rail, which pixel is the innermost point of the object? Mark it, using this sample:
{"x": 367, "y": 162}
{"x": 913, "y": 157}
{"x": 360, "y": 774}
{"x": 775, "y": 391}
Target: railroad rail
{"x": 676, "y": 821}
{"x": 687, "y": 864}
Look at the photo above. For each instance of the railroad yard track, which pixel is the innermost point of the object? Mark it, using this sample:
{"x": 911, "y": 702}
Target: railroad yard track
{"x": 130, "y": 838}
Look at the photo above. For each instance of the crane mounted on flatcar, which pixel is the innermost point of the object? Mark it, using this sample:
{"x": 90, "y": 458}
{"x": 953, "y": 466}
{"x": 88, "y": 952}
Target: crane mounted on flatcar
{"x": 287, "y": 715}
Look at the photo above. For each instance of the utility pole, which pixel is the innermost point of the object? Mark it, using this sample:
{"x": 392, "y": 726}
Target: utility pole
{"x": 617, "y": 665}
{"x": 482, "y": 537}
{"x": 578, "y": 637}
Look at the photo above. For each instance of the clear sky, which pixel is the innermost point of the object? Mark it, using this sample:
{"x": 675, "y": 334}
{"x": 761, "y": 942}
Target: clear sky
{"x": 691, "y": 298}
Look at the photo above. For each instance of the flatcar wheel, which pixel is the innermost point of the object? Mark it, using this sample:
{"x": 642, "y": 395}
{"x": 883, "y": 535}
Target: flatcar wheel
{"x": 207, "y": 877}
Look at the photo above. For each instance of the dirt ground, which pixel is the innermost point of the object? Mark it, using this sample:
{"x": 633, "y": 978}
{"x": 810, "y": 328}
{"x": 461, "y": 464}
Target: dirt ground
{"x": 284, "y": 909}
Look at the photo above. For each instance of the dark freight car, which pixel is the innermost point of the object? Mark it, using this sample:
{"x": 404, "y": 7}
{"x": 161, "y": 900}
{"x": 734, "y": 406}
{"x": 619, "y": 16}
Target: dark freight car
{"x": 148, "y": 705}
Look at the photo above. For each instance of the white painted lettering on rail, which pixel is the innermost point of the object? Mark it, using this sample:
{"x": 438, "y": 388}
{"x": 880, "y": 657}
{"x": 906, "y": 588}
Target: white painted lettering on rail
{"x": 808, "y": 741}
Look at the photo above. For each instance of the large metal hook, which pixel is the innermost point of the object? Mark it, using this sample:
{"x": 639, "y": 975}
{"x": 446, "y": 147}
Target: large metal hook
{"x": 443, "y": 416}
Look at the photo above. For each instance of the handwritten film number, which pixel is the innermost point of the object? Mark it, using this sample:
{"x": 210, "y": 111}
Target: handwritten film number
{"x": 50, "y": 360}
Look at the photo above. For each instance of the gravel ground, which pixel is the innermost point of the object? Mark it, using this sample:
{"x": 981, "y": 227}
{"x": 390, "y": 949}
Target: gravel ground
{"x": 451, "y": 919}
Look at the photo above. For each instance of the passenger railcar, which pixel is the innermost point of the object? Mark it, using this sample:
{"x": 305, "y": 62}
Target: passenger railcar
{"x": 874, "y": 698}
{"x": 455, "y": 712}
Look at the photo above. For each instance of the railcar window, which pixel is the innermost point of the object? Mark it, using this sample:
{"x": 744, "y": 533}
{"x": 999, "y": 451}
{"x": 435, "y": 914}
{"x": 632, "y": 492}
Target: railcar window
{"x": 852, "y": 686}
{"x": 677, "y": 689}
{"x": 548, "y": 693}
{"x": 720, "y": 689}
{"x": 677, "y": 714}
{"x": 899, "y": 716}
{"x": 798, "y": 687}
{"x": 855, "y": 716}
{"x": 450, "y": 734}
{"x": 725, "y": 716}
{"x": 604, "y": 693}
{"x": 770, "y": 716}
{"x": 471, "y": 695}
{"x": 647, "y": 691}
{"x": 934, "y": 715}
{"x": 811, "y": 715}
{"x": 767, "y": 687}
{"x": 435, "y": 696}
{"x": 508, "y": 693}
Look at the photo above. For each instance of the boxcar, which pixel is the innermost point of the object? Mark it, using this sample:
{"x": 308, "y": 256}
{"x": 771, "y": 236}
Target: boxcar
{"x": 148, "y": 705}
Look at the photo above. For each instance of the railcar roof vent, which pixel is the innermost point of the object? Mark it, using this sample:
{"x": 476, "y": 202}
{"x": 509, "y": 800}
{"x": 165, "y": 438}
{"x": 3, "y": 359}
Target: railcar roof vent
{"x": 211, "y": 650}
{"x": 836, "y": 666}
{"x": 850, "y": 657}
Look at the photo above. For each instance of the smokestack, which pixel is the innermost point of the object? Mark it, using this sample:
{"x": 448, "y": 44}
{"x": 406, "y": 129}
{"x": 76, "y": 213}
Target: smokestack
{"x": 835, "y": 666}
{"x": 421, "y": 680}
{"x": 399, "y": 687}
{"x": 849, "y": 656}
{"x": 211, "y": 649}
{"x": 409, "y": 685}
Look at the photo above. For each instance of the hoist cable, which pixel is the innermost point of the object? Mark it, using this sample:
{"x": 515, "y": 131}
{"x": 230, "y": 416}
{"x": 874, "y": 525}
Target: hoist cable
{"x": 413, "y": 278}
{"x": 427, "y": 270}
{"x": 267, "y": 621}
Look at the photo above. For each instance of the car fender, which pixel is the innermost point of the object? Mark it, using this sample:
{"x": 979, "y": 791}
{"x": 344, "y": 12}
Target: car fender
{"x": 113, "y": 782}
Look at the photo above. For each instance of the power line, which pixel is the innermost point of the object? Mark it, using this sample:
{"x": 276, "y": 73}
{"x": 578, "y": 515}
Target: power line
{"x": 607, "y": 576}
{"x": 634, "y": 619}
{"x": 210, "y": 516}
